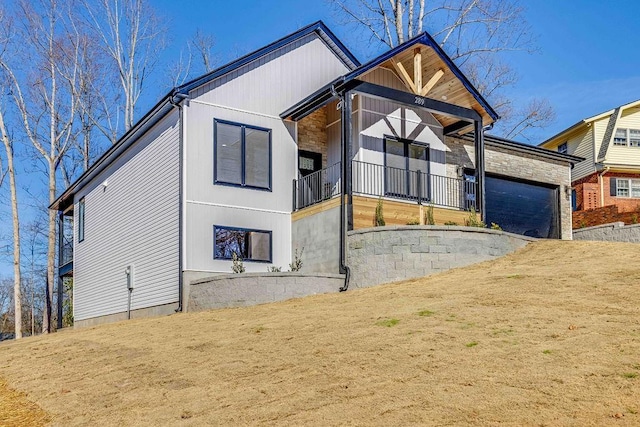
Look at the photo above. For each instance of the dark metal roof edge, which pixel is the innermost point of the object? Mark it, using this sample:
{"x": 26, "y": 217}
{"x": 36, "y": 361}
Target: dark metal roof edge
{"x": 317, "y": 27}
{"x": 533, "y": 149}
{"x": 124, "y": 142}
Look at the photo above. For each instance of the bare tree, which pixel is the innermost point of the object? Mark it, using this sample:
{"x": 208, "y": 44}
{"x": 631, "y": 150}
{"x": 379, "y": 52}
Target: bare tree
{"x": 7, "y": 141}
{"x": 131, "y": 37}
{"x": 472, "y": 32}
{"x": 45, "y": 105}
{"x": 198, "y": 59}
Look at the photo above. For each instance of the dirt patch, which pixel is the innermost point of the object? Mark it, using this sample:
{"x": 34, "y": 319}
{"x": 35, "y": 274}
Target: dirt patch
{"x": 16, "y": 410}
{"x": 549, "y": 335}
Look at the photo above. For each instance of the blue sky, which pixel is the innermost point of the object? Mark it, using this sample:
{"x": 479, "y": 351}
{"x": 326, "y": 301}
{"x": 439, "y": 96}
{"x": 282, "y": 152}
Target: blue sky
{"x": 587, "y": 61}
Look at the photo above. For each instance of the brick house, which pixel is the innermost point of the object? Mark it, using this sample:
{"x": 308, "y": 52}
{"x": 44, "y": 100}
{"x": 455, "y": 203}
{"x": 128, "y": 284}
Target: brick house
{"x": 606, "y": 185}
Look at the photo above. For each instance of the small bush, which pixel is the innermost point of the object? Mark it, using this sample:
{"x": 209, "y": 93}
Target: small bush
{"x": 237, "y": 266}
{"x": 428, "y": 216}
{"x": 274, "y": 269}
{"x": 495, "y": 226}
{"x": 413, "y": 221}
{"x": 473, "y": 220}
{"x": 634, "y": 219}
{"x": 388, "y": 323}
{"x": 296, "y": 264}
{"x": 583, "y": 224}
{"x": 379, "y": 218}
{"x": 450, "y": 223}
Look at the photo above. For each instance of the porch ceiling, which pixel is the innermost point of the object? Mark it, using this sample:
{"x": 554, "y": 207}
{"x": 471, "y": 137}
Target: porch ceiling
{"x": 447, "y": 88}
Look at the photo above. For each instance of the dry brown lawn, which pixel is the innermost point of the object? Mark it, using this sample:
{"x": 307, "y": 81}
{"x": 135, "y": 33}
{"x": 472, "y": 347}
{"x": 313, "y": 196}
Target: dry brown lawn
{"x": 547, "y": 336}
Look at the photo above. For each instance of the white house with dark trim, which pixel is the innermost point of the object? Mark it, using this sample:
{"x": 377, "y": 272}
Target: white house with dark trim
{"x": 245, "y": 158}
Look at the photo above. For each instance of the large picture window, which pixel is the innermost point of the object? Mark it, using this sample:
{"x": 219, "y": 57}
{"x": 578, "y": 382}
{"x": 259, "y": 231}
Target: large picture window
{"x": 242, "y": 155}
{"x": 627, "y": 187}
{"x": 250, "y": 245}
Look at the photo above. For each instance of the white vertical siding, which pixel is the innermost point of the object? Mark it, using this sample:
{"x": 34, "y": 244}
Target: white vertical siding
{"x": 277, "y": 81}
{"x": 133, "y": 220}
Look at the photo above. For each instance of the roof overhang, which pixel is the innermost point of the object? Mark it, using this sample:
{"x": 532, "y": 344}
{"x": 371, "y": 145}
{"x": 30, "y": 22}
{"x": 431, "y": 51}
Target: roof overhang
{"x": 443, "y": 80}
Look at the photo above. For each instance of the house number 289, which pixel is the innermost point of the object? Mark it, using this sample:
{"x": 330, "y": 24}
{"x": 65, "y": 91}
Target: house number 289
{"x": 419, "y": 100}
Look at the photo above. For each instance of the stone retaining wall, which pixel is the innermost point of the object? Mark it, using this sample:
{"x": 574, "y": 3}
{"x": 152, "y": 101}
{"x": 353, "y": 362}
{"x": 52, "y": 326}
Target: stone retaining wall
{"x": 612, "y": 232}
{"x": 386, "y": 254}
{"x": 236, "y": 290}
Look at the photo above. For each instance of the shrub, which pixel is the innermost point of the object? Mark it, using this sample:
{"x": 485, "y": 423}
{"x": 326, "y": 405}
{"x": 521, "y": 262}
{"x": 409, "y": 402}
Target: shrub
{"x": 428, "y": 216}
{"x": 237, "y": 266}
{"x": 450, "y": 223}
{"x": 473, "y": 220}
{"x": 274, "y": 269}
{"x": 495, "y": 226}
{"x": 413, "y": 221}
{"x": 379, "y": 219}
{"x": 296, "y": 264}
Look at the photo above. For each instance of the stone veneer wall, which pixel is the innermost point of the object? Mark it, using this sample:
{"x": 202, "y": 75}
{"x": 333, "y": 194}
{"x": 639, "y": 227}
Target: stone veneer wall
{"x": 237, "y": 290}
{"x": 613, "y": 232}
{"x": 516, "y": 165}
{"x": 312, "y": 133}
{"x": 386, "y": 254}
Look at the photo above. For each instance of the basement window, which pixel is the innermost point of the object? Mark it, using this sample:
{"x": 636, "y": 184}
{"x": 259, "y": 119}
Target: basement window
{"x": 250, "y": 245}
{"x": 242, "y": 155}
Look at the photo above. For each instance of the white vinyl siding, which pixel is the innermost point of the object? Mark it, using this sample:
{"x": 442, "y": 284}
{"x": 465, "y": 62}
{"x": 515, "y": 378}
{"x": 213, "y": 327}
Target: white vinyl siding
{"x": 131, "y": 218}
{"x": 581, "y": 144}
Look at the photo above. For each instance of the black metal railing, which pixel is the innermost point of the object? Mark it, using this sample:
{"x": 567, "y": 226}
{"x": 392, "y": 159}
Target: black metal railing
{"x": 373, "y": 179}
{"x": 378, "y": 180}
{"x": 67, "y": 251}
{"x": 317, "y": 187}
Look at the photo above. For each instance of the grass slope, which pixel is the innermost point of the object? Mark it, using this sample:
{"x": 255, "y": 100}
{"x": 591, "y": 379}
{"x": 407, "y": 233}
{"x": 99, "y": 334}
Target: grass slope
{"x": 549, "y": 335}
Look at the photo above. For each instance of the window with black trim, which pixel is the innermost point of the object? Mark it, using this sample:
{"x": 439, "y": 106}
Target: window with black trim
{"x": 81, "y": 220}
{"x": 250, "y": 245}
{"x": 242, "y": 155}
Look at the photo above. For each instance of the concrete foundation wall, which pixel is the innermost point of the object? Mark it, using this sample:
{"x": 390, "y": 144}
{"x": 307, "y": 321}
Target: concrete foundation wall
{"x": 237, "y": 290}
{"x": 613, "y": 232}
{"x": 319, "y": 235}
{"x": 158, "y": 310}
{"x": 386, "y": 254}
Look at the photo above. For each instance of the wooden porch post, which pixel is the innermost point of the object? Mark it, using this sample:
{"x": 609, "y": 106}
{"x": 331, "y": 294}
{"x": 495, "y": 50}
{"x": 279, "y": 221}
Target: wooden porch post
{"x": 480, "y": 172}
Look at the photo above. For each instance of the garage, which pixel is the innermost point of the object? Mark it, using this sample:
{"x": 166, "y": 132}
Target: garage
{"x": 523, "y": 207}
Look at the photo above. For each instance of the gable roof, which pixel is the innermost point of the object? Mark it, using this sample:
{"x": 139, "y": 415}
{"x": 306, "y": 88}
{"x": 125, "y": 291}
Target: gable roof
{"x": 177, "y": 94}
{"x": 318, "y": 27}
{"x": 592, "y": 119}
{"x": 327, "y": 93}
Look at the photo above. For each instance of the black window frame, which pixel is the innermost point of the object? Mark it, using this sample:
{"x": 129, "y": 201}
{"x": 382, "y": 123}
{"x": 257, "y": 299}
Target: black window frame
{"x": 243, "y": 127}
{"x": 427, "y": 174}
{"x": 250, "y": 230}
{"x": 562, "y": 148}
{"x": 82, "y": 208}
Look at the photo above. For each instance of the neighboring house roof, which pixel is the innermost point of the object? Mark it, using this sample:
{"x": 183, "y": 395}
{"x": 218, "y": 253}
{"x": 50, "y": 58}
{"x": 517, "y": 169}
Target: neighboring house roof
{"x": 328, "y": 92}
{"x": 591, "y": 119}
{"x": 496, "y": 141}
{"x": 166, "y": 104}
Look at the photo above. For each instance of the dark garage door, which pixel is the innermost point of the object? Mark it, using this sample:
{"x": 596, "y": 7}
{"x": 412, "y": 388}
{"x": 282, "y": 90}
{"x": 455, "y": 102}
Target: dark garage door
{"x": 523, "y": 207}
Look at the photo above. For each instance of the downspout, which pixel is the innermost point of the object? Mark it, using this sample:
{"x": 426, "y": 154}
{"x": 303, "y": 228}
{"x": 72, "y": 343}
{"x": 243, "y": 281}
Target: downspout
{"x": 176, "y": 100}
{"x": 345, "y": 128}
{"x": 601, "y": 184}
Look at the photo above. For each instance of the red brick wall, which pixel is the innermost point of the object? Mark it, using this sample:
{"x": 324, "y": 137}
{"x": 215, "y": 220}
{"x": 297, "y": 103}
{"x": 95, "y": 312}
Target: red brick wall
{"x": 604, "y": 215}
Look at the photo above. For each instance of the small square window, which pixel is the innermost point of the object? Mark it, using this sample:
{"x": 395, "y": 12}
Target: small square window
{"x": 622, "y": 187}
{"x": 634, "y": 137}
{"x": 620, "y": 138}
